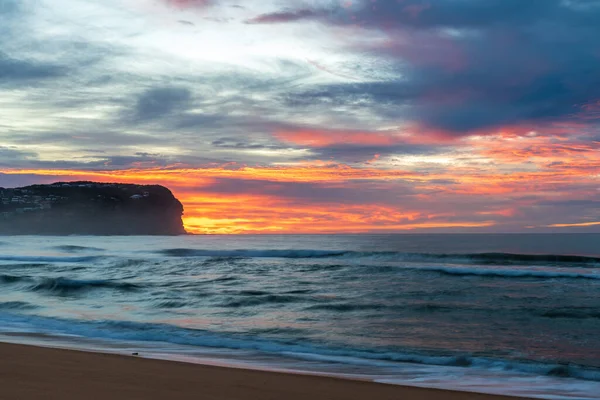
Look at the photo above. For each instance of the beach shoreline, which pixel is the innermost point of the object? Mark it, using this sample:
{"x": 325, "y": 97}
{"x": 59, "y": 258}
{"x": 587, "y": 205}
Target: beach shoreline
{"x": 32, "y": 372}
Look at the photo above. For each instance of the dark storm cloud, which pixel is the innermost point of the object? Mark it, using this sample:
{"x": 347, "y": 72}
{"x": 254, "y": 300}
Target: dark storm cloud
{"x": 10, "y": 155}
{"x": 16, "y": 71}
{"x": 155, "y": 103}
{"x": 471, "y": 65}
{"x": 443, "y": 13}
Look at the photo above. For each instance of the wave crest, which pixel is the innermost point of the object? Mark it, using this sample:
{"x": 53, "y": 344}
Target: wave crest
{"x": 468, "y": 258}
{"x": 76, "y": 249}
{"x": 497, "y": 273}
{"x": 42, "y": 259}
{"x": 65, "y": 286}
{"x": 182, "y": 252}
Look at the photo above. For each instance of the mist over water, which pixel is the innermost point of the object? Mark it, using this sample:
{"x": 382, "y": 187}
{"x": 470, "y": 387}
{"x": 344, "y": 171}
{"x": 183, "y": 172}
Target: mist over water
{"x": 416, "y": 309}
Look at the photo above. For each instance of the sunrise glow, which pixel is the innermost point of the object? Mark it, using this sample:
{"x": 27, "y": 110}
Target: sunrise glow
{"x": 335, "y": 118}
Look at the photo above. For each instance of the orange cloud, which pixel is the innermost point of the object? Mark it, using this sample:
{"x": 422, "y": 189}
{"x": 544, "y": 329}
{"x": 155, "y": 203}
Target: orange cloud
{"x": 575, "y": 224}
{"x": 316, "y": 138}
{"x": 503, "y": 176}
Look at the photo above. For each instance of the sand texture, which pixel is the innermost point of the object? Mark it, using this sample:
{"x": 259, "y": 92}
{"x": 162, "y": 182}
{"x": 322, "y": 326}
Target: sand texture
{"x": 28, "y": 372}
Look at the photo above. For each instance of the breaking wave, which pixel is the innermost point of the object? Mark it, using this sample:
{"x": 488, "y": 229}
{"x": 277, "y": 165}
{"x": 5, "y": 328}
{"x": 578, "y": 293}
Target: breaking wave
{"x": 502, "y": 273}
{"x": 76, "y": 249}
{"x": 149, "y": 332}
{"x": 64, "y": 286}
{"x": 67, "y": 286}
{"x": 11, "y": 278}
{"x": 469, "y": 258}
{"x": 252, "y": 253}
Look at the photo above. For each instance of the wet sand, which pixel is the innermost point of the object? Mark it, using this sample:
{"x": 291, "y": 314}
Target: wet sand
{"x": 28, "y": 372}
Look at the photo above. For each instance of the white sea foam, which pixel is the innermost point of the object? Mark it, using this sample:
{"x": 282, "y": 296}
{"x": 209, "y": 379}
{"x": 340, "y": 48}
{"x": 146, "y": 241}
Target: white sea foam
{"x": 508, "y": 383}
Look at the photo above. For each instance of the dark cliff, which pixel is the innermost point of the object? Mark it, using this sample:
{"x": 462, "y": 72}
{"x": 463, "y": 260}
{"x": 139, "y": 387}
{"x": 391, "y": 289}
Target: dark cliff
{"x": 90, "y": 208}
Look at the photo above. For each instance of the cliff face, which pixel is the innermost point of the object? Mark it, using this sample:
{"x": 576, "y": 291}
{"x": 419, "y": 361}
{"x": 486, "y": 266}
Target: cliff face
{"x": 89, "y": 208}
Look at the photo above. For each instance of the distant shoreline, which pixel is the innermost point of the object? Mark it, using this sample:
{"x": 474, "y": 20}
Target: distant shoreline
{"x": 90, "y": 208}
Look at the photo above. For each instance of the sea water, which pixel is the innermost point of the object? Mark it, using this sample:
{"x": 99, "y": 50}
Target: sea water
{"x": 509, "y": 314}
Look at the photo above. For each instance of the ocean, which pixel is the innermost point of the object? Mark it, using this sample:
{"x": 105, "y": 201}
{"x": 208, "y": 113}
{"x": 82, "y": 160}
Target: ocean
{"x": 515, "y": 314}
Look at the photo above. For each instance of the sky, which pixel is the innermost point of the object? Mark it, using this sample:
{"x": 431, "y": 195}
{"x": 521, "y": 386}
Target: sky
{"x": 314, "y": 116}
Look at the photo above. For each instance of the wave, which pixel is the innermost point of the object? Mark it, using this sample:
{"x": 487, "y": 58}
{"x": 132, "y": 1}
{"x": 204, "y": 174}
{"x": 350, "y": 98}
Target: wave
{"x": 22, "y": 265}
{"x": 573, "y": 313}
{"x": 300, "y": 349}
{"x": 76, "y": 249}
{"x": 63, "y": 286}
{"x": 182, "y": 252}
{"x": 11, "y": 278}
{"x": 502, "y": 273}
{"x": 42, "y": 259}
{"x": 469, "y": 258}
{"x": 16, "y": 305}
{"x": 260, "y": 300}
{"x": 170, "y": 304}
{"x": 511, "y": 258}
{"x": 347, "y": 307}
{"x": 222, "y": 279}
{"x": 254, "y": 293}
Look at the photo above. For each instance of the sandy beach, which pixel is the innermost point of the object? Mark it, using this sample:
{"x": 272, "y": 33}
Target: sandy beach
{"x": 28, "y": 372}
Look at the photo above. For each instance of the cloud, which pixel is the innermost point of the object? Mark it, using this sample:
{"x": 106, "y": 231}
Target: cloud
{"x": 284, "y": 16}
{"x": 189, "y": 3}
{"x": 15, "y": 71}
{"x": 155, "y": 103}
{"x": 589, "y": 204}
{"x": 353, "y": 146}
{"x": 326, "y": 137}
{"x": 9, "y": 156}
{"x": 311, "y": 192}
{"x": 8, "y": 7}
{"x": 237, "y": 144}
{"x": 466, "y": 67}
